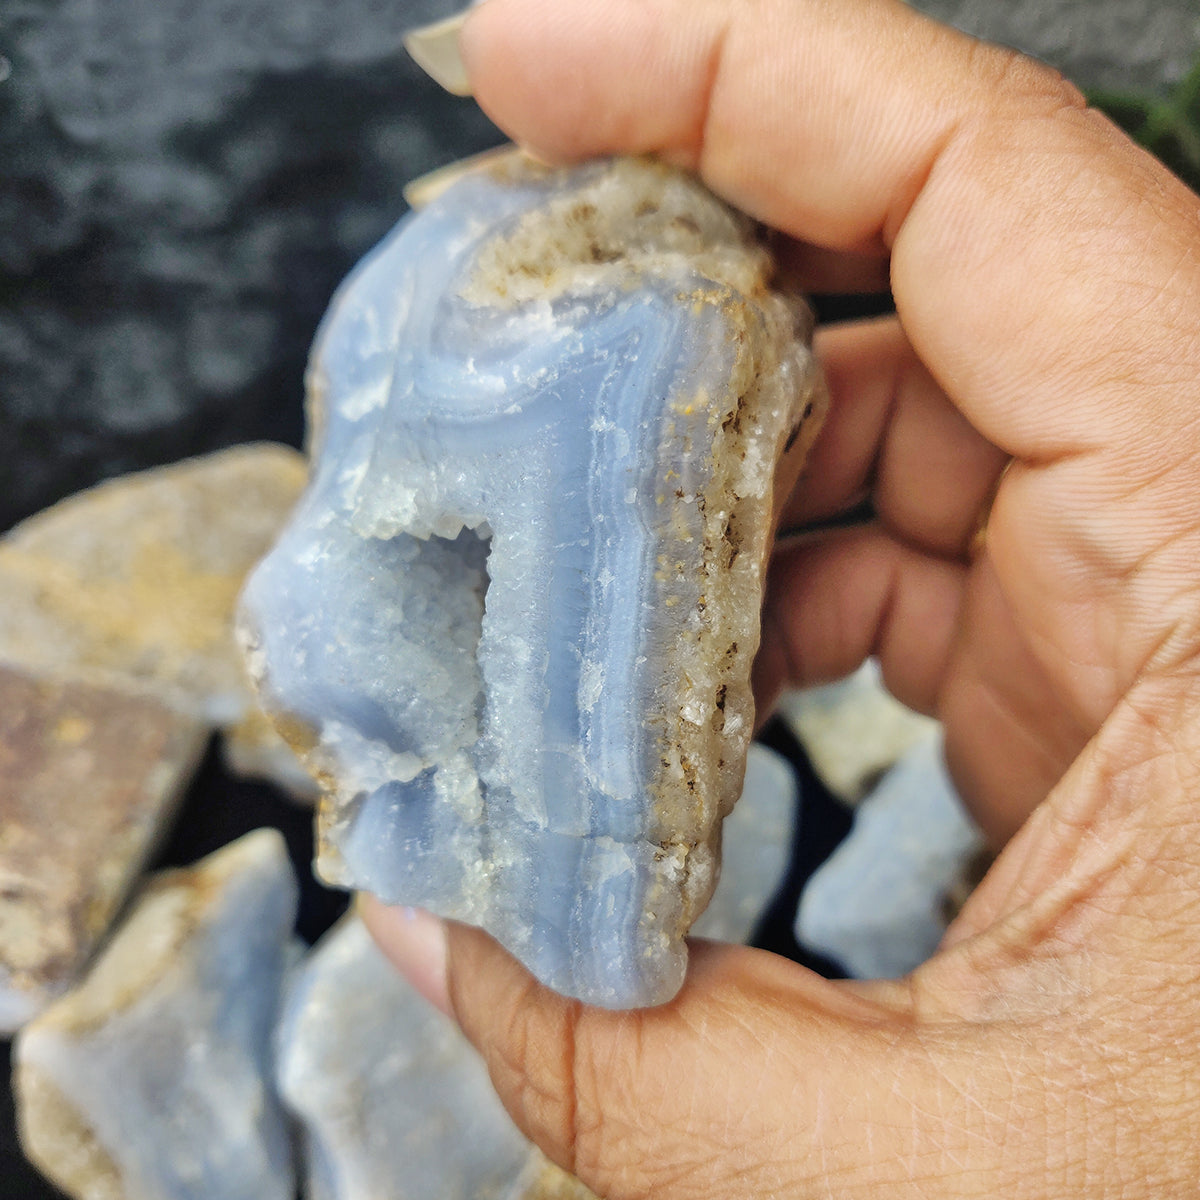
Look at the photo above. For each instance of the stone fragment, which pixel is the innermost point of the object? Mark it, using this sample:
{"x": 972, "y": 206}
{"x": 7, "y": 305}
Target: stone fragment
{"x": 152, "y": 1080}
{"x": 878, "y": 904}
{"x": 132, "y": 585}
{"x": 394, "y": 1101}
{"x": 853, "y": 730}
{"x": 567, "y": 390}
{"x": 89, "y": 778}
{"x": 756, "y": 847}
{"x": 134, "y": 581}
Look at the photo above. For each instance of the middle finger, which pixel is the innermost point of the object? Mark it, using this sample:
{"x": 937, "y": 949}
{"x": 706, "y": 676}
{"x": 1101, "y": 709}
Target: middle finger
{"x": 892, "y": 436}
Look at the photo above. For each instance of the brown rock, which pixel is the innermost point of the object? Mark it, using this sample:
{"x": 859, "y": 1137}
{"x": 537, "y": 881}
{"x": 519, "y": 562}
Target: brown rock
{"x": 135, "y": 581}
{"x": 88, "y": 778}
{"x": 132, "y": 585}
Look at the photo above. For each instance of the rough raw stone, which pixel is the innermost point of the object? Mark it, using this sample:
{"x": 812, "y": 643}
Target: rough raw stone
{"x": 152, "y": 1080}
{"x": 88, "y": 780}
{"x": 1123, "y": 45}
{"x": 132, "y": 585}
{"x": 135, "y": 580}
{"x": 184, "y": 183}
{"x": 568, "y": 390}
{"x": 394, "y": 1101}
{"x": 878, "y": 904}
{"x": 853, "y": 730}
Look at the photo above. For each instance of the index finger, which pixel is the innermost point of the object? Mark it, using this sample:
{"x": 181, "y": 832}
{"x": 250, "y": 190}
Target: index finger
{"x": 1036, "y": 253}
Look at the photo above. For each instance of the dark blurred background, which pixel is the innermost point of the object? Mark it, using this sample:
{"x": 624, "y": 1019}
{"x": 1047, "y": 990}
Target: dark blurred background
{"x": 182, "y": 185}
{"x": 184, "y": 182}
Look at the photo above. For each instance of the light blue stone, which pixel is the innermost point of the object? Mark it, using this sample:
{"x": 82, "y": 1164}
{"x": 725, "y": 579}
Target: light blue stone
{"x": 393, "y": 1100}
{"x": 153, "y": 1079}
{"x": 518, "y": 606}
{"x": 876, "y": 905}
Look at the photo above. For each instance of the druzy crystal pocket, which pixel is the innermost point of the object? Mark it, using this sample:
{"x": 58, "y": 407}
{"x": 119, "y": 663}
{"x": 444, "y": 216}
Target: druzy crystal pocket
{"x": 510, "y": 626}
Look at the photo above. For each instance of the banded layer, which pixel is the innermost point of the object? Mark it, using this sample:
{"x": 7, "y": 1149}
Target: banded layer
{"x": 510, "y": 627}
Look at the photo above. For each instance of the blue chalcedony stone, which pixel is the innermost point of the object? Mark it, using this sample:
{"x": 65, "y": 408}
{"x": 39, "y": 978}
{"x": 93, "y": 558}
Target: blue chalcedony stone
{"x": 511, "y": 624}
{"x": 154, "y": 1076}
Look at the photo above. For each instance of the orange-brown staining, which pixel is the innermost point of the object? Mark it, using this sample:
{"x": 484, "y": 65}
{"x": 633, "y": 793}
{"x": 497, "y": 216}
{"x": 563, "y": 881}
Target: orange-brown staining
{"x": 88, "y": 778}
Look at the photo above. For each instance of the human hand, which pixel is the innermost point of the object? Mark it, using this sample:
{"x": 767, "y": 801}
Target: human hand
{"x": 1045, "y": 353}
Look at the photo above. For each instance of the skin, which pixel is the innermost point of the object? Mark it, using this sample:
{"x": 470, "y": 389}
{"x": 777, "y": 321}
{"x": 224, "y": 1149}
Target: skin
{"x": 1044, "y": 362}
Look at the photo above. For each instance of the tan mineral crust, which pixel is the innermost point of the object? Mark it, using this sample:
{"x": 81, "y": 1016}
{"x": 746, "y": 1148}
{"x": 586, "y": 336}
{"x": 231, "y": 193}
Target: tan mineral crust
{"x": 132, "y": 585}
{"x": 89, "y": 778}
{"x": 545, "y": 1181}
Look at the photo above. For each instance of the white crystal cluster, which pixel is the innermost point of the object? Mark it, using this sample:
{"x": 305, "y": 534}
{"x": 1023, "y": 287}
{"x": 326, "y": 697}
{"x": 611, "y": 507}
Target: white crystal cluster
{"x": 510, "y": 627}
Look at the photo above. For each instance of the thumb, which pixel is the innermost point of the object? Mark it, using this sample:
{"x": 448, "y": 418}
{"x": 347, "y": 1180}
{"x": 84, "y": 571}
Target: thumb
{"x": 759, "y": 1079}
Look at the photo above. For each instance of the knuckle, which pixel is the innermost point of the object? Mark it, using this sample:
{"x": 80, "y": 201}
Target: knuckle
{"x": 999, "y": 70}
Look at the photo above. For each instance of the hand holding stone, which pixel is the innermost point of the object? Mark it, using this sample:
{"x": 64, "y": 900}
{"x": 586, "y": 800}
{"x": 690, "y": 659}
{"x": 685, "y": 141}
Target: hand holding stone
{"x": 1043, "y": 361}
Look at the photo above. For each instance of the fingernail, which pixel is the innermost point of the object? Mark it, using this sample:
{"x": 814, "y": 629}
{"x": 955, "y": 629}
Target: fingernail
{"x": 428, "y": 187}
{"x": 434, "y": 48}
{"x": 415, "y": 941}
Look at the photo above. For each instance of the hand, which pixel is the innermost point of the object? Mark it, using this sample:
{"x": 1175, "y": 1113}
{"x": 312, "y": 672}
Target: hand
{"x": 1043, "y": 367}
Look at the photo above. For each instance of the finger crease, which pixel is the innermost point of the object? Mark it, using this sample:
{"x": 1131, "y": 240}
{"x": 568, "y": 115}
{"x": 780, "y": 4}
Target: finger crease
{"x": 570, "y": 1097}
{"x": 910, "y": 188}
{"x": 712, "y": 77}
{"x": 887, "y": 609}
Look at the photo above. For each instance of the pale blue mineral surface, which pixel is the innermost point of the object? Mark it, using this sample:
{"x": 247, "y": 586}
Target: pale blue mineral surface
{"x": 152, "y": 1080}
{"x": 511, "y": 625}
{"x": 393, "y": 1099}
{"x": 877, "y": 904}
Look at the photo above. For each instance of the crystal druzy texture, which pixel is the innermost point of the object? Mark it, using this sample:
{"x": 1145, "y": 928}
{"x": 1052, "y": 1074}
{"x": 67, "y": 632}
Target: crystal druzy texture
{"x": 510, "y": 626}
